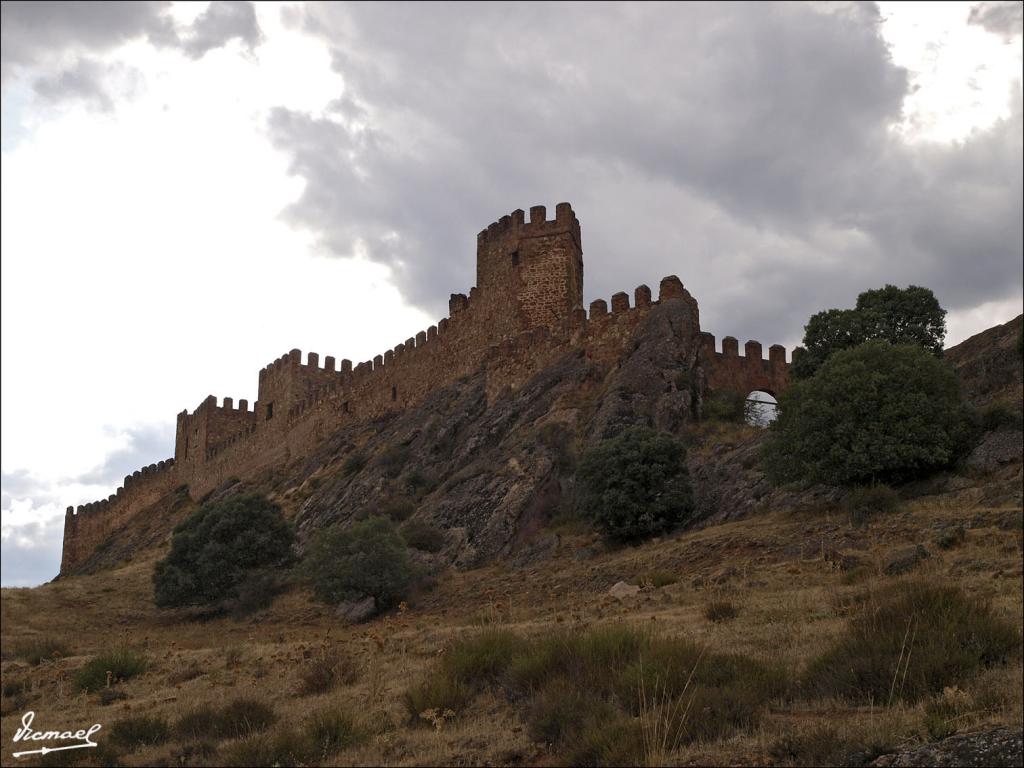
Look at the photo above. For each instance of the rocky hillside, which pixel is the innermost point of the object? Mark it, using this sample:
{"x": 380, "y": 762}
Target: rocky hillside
{"x": 989, "y": 364}
{"x": 493, "y": 475}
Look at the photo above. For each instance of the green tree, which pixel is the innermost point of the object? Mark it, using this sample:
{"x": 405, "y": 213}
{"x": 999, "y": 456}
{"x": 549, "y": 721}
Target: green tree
{"x": 635, "y": 485}
{"x": 874, "y": 413}
{"x": 910, "y": 315}
{"x": 369, "y": 559}
{"x": 826, "y": 333}
{"x": 218, "y": 548}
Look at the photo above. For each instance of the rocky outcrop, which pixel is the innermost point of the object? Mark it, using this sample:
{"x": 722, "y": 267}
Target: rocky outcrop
{"x": 996, "y": 747}
{"x": 989, "y": 364}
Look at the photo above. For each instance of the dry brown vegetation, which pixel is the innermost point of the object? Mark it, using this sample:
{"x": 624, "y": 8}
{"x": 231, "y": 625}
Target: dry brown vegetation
{"x": 472, "y": 672}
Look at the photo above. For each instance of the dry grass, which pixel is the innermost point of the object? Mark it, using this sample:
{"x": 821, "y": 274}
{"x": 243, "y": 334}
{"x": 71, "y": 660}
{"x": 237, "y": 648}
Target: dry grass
{"x": 776, "y": 566}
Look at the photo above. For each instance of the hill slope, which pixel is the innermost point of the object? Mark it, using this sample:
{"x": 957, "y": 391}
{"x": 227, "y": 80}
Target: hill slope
{"x": 762, "y": 579}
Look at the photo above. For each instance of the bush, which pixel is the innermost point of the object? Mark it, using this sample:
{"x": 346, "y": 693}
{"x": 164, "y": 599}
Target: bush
{"x": 392, "y": 460}
{"x": 40, "y": 649}
{"x": 216, "y": 549}
{"x": 635, "y": 485}
{"x": 354, "y": 463}
{"x": 326, "y": 670}
{"x": 1000, "y": 414}
{"x": 332, "y": 730}
{"x": 239, "y": 718}
{"x": 109, "y": 668}
{"x": 720, "y": 610}
{"x": 912, "y": 641}
{"x": 724, "y": 405}
{"x": 874, "y": 413}
{"x": 286, "y": 747}
{"x": 368, "y": 559}
{"x": 866, "y": 501}
{"x": 557, "y": 438}
{"x": 421, "y": 535}
{"x": 140, "y": 731}
{"x": 600, "y": 696}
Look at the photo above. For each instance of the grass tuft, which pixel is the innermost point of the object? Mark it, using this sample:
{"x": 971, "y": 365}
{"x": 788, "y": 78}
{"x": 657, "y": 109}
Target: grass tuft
{"x": 109, "y": 668}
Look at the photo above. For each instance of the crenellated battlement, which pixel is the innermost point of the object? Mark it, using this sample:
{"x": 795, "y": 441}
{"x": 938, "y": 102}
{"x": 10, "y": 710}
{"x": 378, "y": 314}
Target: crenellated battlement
{"x": 728, "y": 369}
{"x": 525, "y": 309}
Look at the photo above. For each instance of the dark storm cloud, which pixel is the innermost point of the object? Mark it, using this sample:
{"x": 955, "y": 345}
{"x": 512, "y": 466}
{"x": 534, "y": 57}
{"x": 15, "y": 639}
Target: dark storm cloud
{"x": 147, "y": 444}
{"x": 1000, "y": 18}
{"x": 37, "y": 35}
{"x": 744, "y": 147}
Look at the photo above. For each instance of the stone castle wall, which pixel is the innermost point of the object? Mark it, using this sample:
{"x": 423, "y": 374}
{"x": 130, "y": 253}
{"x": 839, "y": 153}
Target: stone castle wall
{"x": 525, "y": 309}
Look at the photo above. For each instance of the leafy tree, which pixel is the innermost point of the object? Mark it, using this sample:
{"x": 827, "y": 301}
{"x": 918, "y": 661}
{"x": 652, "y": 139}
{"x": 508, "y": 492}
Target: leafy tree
{"x": 219, "y": 548}
{"x": 369, "y": 559}
{"x": 909, "y": 315}
{"x": 827, "y": 332}
{"x": 874, "y": 413}
{"x": 635, "y": 485}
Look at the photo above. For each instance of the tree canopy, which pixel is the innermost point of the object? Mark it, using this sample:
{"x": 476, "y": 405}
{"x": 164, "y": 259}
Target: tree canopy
{"x": 636, "y": 484}
{"x": 909, "y": 315}
{"x": 214, "y": 550}
{"x": 873, "y": 413}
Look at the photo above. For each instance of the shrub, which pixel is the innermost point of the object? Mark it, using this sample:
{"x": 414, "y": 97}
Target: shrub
{"x": 866, "y": 501}
{"x": 607, "y": 695}
{"x": 367, "y": 559}
{"x": 874, "y": 413}
{"x": 109, "y": 668}
{"x": 140, "y": 731}
{"x": 216, "y": 549}
{"x": 16, "y": 686}
{"x": 392, "y": 460}
{"x": 635, "y": 485}
{"x": 720, "y": 610}
{"x": 421, "y": 535}
{"x": 942, "y": 713}
{"x": 1000, "y": 414}
{"x": 286, "y": 747}
{"x": 40, "y": 649}
{"x": 659, "y": 579}
{"x": 325, "y": 670}
{"x": 912, "y": 640}
{"x": 419, "y": 483}
{"x": 558, "y": 440}
{"x": 332, "y": 730}
{"x": 354, "y": 463}
{"x": 239, "y": 718}
{"x": 395, "y": 508}
{"x": 724, "y": 405}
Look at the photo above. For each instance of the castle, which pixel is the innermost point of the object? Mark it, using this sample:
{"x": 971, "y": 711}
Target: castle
{"x": 527, "y": 306}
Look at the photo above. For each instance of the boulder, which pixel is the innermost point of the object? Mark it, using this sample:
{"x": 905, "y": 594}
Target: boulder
{"x": 356, "y": 611}
{"x": 905, "y": 560}
{"x": 621, "y": 589}
{"x": 993, "y": 747}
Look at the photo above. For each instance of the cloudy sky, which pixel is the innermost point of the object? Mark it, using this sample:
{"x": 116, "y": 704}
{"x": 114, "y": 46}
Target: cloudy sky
{"x": 188, "y": 191}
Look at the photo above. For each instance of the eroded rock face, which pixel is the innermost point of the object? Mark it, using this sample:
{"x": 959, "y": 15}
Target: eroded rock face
{"x": 493, "y": 473}
{"x": 994, "y": 747}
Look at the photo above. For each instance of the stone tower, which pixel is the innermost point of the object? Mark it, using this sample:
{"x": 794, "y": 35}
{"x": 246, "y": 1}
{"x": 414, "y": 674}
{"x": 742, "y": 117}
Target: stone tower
{"x": 537, "y": 264}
